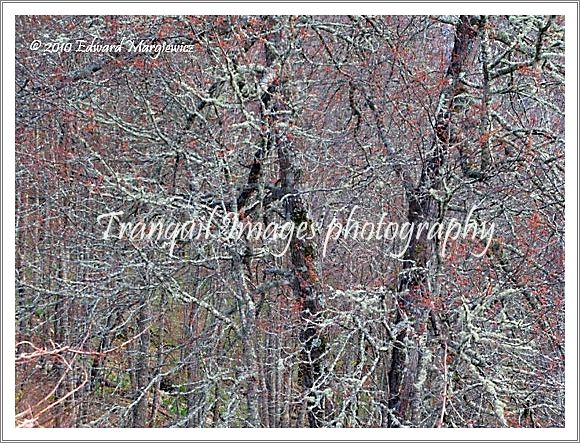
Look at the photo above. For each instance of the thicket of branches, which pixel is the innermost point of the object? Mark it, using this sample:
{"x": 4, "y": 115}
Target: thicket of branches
{"x": 291, "y": 118}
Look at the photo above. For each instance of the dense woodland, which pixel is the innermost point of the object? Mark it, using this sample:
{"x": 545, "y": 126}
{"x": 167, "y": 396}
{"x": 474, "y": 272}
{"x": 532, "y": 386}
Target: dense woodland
{"x": 277, "y": 119}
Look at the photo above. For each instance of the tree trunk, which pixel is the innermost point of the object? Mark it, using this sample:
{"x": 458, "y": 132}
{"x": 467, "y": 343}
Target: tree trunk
{"x": 423, "y": 207}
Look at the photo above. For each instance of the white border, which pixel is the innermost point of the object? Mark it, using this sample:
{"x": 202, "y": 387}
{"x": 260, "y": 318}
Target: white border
{"x": 8, "y": 199}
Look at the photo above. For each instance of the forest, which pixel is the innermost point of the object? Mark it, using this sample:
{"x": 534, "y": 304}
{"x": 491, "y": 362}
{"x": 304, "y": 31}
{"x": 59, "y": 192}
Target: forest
{"x": 290, "y": 221}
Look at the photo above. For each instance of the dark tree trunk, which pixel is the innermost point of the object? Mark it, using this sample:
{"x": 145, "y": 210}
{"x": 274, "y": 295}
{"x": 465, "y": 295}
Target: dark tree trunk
{"x": 423, "y": 207}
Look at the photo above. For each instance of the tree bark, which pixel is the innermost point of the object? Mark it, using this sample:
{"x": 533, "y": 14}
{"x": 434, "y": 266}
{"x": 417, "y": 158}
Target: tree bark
{"x": 423, "y": 207}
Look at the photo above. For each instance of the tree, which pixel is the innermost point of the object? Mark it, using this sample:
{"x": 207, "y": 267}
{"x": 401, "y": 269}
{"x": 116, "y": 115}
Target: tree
{"x": 286, "y": 121}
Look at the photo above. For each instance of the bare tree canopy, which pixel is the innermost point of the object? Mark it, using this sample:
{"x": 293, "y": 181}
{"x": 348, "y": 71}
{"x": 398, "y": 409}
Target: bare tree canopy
{"x": 290, "y": 221}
